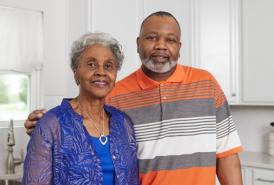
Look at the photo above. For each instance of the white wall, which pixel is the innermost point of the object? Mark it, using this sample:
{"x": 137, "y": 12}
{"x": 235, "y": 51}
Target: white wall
{"x": 55, "y": 62}
{"x": 253, "y": 124}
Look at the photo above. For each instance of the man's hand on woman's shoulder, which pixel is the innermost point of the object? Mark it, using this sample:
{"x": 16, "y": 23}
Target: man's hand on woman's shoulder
{"x": 32, "y": 119}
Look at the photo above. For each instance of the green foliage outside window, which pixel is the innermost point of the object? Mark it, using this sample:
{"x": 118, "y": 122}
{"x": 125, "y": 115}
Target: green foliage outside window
{"x": 4, "y": 99}
{"x": 14, "y": 93}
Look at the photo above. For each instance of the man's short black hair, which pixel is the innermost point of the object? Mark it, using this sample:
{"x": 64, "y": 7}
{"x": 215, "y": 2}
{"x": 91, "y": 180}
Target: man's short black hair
{"x": 160, "y": 14}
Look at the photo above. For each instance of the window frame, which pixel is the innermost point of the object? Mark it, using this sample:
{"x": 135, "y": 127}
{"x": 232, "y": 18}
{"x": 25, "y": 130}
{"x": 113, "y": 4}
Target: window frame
{"x": 35, "y": 95}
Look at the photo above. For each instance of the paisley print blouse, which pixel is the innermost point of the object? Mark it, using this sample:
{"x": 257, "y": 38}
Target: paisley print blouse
{"x": 59, "y": 151}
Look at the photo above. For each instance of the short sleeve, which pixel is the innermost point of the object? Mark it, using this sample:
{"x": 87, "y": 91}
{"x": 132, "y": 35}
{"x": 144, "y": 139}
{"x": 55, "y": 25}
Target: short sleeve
{"x": 227, "y": 139}
{"x": 38, "y": 161}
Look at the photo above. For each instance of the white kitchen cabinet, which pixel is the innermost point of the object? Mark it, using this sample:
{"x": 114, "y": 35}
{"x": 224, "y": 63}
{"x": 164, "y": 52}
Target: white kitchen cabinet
{"x": 258, "y": 57}
{"x": 230, "y": 38}
{"x": 209, "y": 33}
{"x": 258, "y": 176}
{"x": 258, "y": 168}
{"x": 263, "y": 176}
{"x": 233, "y": 39}
{"x": 216, "y": 42}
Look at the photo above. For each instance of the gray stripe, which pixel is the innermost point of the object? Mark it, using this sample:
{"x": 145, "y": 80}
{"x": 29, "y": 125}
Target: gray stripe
{"x": 204, "y": 159}
{"x": 223, "y": 112}
{"x": 172, "y": 110}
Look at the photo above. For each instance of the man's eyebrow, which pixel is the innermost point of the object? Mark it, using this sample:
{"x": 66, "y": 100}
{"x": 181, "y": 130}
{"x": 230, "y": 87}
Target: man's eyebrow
{"x": 152, "y": 32}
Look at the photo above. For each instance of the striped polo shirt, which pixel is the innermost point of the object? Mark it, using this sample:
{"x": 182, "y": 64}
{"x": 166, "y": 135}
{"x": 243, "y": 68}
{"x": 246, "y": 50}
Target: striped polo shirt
{"x": 181, "y": 125}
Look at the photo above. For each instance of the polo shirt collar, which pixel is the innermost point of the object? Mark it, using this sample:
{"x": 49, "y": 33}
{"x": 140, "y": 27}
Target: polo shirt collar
{"x": 145, "y": 82}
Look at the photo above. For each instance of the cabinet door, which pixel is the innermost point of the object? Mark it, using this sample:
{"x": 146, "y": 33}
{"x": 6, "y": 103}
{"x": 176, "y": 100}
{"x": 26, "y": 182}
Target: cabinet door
{"x": 263, "y": 177}
{"x": 216, "y": 36}
{"x": 258, "y": 56}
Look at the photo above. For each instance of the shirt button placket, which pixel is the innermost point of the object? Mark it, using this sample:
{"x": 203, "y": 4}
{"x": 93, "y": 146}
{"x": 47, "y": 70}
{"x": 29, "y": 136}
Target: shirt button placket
{"x": 163, "y": 97}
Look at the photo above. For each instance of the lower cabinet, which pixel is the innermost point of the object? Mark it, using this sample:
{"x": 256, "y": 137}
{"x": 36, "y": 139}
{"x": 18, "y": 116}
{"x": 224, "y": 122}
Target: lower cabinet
{"x": 258, "y": 176}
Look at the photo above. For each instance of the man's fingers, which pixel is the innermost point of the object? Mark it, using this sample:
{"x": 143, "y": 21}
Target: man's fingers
{"x": 29, "y": 131}
{"x": 29, "y": 124}
{"x": 32, "y": 119}
{"x": 37, "y": 114}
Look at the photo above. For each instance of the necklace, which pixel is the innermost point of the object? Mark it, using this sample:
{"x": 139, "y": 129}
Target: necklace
{"x": 102, "y": 138}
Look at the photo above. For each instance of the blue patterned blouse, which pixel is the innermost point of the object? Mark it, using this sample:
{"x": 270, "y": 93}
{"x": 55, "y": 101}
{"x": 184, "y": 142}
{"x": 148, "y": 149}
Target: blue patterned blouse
{"x": 59, "y": 151}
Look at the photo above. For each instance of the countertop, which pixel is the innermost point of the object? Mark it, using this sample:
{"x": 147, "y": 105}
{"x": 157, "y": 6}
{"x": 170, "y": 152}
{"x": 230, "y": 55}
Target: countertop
{"x": 257, "y": 159}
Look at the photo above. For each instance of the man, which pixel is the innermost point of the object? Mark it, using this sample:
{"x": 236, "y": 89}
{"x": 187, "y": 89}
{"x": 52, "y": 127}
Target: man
{"x": 182, "y": 122}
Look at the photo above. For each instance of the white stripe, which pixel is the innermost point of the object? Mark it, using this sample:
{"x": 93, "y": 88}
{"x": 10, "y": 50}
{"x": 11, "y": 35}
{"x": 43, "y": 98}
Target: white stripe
{"x": 177, "y": 146}
{"x": 186, "y": 120}
{"x": 228, "y": 142}
{"x": 175, "y": 127}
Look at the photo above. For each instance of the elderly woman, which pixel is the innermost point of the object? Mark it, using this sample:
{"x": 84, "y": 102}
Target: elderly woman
{"x": 83, "y": 141}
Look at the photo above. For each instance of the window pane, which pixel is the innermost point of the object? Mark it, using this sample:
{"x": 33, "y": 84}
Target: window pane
{"x": 14, "y": 96}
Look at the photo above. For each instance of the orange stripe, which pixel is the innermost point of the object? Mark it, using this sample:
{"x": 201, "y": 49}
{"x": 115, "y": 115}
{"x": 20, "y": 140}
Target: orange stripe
{"x": 137, "y": 99}
{"x": 193, "y": 176}
{"x": 155, "y": 94}
{"x": 143, "y": 103}
{"x": 230, "y": 152}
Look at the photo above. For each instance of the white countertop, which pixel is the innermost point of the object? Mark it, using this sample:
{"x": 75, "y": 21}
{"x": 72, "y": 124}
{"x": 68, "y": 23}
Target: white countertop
{"x": 256, "y": 159}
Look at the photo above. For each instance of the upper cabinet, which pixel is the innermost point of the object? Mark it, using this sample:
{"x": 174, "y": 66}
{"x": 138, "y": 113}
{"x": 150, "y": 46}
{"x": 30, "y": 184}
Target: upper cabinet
{"x": 215, "y": 46}
{"x": 230, "y": 38}
{"x": 257, "y": 52}
{"x": 233, "y": 39}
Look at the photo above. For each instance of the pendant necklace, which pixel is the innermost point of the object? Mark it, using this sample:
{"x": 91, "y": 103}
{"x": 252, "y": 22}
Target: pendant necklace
{"x": 102, "y": 138}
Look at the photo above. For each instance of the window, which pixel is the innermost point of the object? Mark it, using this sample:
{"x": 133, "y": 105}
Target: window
{"x": 14, "y": 96}
{"x": 21, "y": 56}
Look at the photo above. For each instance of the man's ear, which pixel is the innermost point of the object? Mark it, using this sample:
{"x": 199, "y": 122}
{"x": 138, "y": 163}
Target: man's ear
{"x": 137, "y": 43}
{"x": 180, "y": 45}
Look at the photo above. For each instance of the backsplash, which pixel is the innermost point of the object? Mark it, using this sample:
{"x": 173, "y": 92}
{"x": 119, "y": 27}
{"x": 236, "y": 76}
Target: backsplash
{"x": 253, "y": 124}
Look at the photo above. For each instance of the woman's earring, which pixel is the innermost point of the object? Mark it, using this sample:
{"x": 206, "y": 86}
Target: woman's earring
{"x": 77, "y": 82}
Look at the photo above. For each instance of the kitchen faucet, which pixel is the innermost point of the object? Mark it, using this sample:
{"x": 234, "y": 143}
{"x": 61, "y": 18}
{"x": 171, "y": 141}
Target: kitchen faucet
{"x": 11, "y": 161}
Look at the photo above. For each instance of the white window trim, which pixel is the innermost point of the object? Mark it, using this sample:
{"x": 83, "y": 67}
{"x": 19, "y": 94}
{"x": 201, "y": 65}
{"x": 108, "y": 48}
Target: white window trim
{"x": 35, "y": 97}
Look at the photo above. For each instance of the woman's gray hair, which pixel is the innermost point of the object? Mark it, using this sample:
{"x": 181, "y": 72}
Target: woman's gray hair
{"x": 89, "y": 39}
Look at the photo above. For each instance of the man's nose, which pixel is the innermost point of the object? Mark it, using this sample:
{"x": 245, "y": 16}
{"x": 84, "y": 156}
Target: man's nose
{"x": 160, "y": 44}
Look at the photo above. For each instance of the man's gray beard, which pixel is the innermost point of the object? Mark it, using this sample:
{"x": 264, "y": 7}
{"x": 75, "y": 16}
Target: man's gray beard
{"x": 158, "y": 67}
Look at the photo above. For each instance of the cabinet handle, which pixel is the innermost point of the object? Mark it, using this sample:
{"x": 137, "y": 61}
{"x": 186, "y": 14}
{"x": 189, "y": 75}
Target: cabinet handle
{"x": 233, "y": 94}
{"x": 265, "y": 180}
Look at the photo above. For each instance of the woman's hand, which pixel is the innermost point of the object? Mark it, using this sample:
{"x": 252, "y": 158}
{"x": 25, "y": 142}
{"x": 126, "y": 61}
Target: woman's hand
{"x": 33, "y": 117}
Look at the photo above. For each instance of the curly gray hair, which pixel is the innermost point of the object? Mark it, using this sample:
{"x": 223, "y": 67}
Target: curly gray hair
{"x": 89, "y": 39}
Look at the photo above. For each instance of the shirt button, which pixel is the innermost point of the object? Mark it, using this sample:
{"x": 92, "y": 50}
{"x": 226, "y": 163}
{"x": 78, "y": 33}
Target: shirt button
{"x": 161, "y": 85}
{"x": 164, "y": 97}
{"x": 113, "y": 157}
